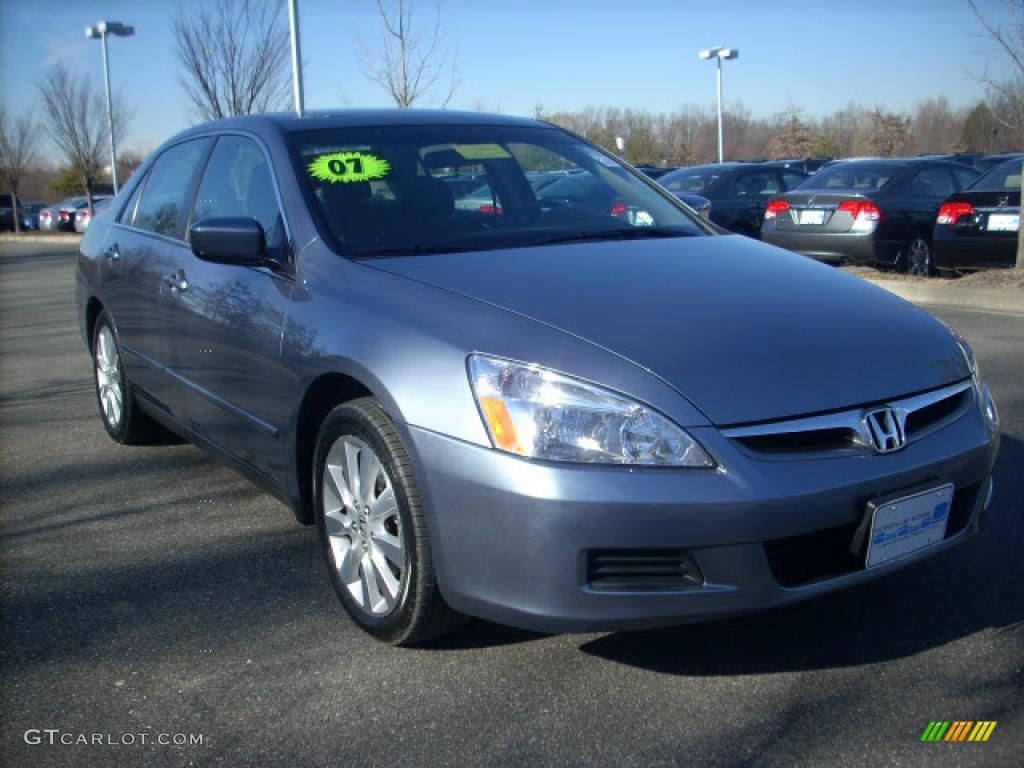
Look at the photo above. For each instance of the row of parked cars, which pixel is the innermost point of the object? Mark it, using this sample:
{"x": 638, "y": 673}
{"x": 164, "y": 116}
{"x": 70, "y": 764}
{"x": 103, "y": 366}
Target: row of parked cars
{"x": 920, "y": 214}
{"x": 69, "y": 215}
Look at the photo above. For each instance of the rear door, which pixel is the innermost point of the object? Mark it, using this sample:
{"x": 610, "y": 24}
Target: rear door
{"x": 741, "y": 209}
{"x": 922, "y": 193}
{"x": 143, "y": 246}
{"x": 228, "y": 320}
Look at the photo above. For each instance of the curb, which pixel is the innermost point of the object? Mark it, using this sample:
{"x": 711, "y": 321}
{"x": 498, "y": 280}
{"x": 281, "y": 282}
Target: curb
{"x": 984, "y": 299}
{"x": 56, "y": 238}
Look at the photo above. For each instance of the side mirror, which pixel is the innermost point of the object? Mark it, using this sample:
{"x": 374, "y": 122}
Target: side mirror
{"x": 236, "y": 240}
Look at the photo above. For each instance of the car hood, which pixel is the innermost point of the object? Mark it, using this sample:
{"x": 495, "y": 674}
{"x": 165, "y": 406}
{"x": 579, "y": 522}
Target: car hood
{"x": 747, "y": 332}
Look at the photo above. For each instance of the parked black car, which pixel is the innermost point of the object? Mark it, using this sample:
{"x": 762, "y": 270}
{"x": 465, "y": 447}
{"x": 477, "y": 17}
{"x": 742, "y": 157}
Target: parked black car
{"x": 737, "y": 191}
{"x": 987, "y": 162}
{"x": 977, "y": 228}
{"x": 873, "y": 211}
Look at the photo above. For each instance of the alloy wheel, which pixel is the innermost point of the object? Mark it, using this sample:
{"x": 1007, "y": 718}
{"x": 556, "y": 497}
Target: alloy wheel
{"x": 108, "y": 378}
{"x": 919, "y": 257}
{"x": 363, "y": 527}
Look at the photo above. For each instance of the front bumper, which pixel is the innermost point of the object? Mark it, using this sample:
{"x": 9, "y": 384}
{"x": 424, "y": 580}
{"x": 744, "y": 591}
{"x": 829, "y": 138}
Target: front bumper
{"x": 512, "y": 538}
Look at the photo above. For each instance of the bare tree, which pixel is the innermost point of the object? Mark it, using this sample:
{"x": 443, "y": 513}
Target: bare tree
{"x": 76, "y": 121}
{"x": 1009, "y": 92}
{"x": 18, "y": 141}
{"x": 410, "y": 63}
{"x": 233, "y": 56}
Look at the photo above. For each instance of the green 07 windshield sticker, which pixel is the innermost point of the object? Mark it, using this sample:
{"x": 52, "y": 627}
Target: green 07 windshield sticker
{"x": 348, "y": 167}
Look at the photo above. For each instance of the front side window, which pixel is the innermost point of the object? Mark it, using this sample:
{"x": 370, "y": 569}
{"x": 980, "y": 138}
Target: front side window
{"x": 163, "y": 207}
{"x": 416, "y": 189}
{"x": 238, "y": 183}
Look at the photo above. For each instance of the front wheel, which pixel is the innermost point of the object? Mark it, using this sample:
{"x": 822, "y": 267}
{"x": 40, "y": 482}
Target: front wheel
{"x": 372, "y": 530}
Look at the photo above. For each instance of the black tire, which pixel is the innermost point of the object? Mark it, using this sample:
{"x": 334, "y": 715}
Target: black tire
{"x": 133, "y": 426}
{"x": 918, "y": 255}
{"x": 420, "y": 612}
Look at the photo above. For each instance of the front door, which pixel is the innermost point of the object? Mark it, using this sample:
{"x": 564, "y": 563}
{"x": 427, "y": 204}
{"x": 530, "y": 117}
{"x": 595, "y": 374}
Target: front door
{"x": 228, "y": 319}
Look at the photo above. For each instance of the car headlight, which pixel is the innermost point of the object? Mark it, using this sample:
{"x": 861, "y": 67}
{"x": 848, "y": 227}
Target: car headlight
{"x": 540, "y": 414}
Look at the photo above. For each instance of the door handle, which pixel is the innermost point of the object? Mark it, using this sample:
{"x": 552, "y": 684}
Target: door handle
{"x": 177, "y": 282}
{"x": 112, "y": 253}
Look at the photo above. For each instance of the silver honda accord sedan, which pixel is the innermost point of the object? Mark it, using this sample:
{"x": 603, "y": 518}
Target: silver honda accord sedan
{"x": 580, "y": 412}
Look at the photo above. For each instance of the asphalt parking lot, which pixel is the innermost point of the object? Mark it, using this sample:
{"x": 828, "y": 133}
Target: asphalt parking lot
{"x": 148, "y": 591}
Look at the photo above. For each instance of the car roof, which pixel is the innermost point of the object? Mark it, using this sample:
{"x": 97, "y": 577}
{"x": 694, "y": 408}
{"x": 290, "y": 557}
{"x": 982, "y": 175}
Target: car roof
{"x": 289, "y": 122}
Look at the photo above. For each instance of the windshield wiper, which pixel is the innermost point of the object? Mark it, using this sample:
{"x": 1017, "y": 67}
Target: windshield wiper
{"x": 630, "y": 233}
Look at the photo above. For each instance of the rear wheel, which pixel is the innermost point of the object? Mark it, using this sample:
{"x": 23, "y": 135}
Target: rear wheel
{"x": 121, "y": 416}
{"x": 372, "y": 529}
{"x": 919, "y": 256}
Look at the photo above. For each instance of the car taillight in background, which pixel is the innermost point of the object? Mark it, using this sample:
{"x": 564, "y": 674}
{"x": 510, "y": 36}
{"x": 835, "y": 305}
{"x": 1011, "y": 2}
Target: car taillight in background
{"x": 494, "y": 210}
{"x": 774, "y": 208}
{"x": 618, "y": 209}
{"x": 45, "y": 215}
{"x": 862, "y": 210}
{"x": 866, "y": 214}
{"x": 950, "y": 212}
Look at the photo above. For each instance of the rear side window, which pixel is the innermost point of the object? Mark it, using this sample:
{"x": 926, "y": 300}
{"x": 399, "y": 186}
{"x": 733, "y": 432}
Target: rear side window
{"x": 128, "y": 214}
{"x": 855, "y": 175}
{"x": 758, "y": 184}
{"x": 965, "y": 177}
{"x": 163, "y": 205}
{"x": 1004, "y": 177}
{"x": 932, "y": 182}
{"x": 791, "y": 180}
{"x": 238, "y": 182}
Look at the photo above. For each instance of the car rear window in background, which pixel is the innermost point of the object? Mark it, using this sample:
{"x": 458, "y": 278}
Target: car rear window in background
{"x": 1005, "y": 177}
{"x": 855, "y": 176}
{"x": 403, "y": 189}
{"x": 163, "y": 207}
{"x": 932, "y": 182}
{"x": 757, "y": 184}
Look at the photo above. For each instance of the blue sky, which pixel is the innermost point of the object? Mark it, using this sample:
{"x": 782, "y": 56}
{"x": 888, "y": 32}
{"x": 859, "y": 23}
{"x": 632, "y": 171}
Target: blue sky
{"x": 564, "y": 54}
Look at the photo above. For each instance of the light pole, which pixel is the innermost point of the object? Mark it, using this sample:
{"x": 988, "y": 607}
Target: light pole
{"x": 718, "y": 53}
{"x": 293, "y": 25}
{"x": 101, "y": 31}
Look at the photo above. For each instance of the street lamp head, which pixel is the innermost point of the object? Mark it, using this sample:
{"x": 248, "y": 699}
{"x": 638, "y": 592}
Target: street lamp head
{"x": 115, "y": 28}
{"x": 719, "y": 53}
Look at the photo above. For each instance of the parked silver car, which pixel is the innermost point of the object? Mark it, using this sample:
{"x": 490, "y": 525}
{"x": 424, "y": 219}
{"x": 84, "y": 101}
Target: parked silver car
{"x": 592, "y": 411}
{"x": 83, "y": 216}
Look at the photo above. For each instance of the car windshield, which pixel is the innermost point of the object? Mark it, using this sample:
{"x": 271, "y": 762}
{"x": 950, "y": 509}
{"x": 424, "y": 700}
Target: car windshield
{"x": 419, "y": 189}
{"x": 1002, "y": 178}
{"x": 853, "y": 176}
{"x": 696, "y": 180}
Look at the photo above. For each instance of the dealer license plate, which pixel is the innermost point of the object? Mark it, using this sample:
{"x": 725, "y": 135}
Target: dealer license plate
{"x": 909, "y": 524}
{"x": 1003, "y": 222}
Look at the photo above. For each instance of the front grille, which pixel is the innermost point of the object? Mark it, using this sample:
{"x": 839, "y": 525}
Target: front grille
{"x": 799, "y": 560}
{"x": 924, "y": 418}
{"x": 642, "y": 570}
{"x": 811, "y": 441}
{"x": 920, "y": 415}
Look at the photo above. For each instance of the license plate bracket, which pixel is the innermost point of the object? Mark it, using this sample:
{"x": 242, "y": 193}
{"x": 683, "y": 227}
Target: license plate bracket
{"x": 907, "y": 524}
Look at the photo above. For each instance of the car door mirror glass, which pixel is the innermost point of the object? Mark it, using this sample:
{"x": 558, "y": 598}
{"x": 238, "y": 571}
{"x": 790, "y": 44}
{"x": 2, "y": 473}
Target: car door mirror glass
{"x": 232, "y": 240}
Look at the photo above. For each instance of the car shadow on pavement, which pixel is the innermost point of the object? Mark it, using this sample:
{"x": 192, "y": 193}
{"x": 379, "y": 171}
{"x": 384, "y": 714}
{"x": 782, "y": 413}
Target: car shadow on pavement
{"x": 972, "y": 588}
